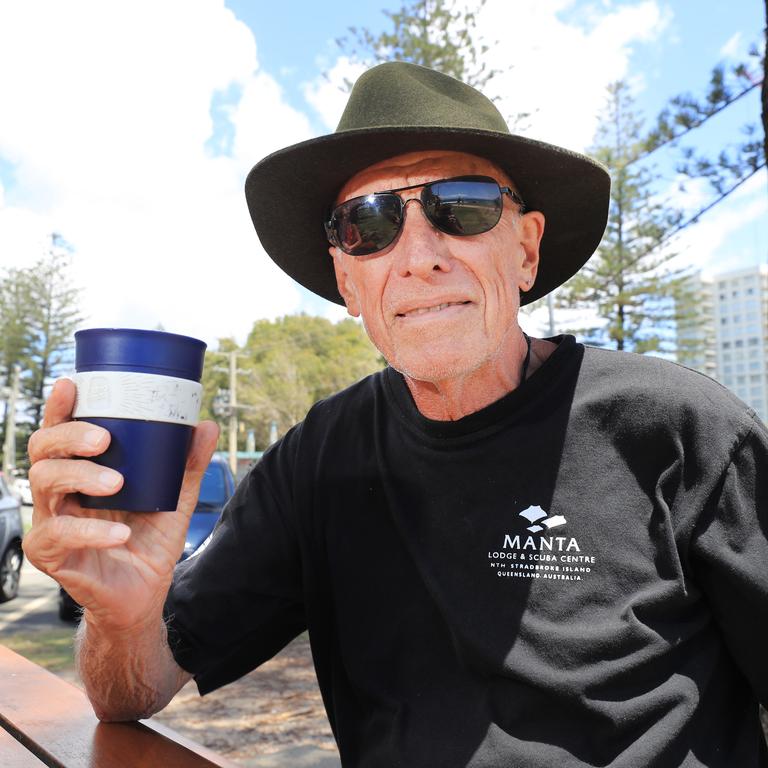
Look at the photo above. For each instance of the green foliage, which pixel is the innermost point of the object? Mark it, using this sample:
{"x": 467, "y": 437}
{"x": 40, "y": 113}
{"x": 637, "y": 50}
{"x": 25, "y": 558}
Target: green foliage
{"x": 431, "y": 33}
{"x": 290, "y": 363}
{"x": 54, "y": 316}
{"x": 733, "y": 165}
{"x": 439, "y": 34}
{"x": 38, "y": 316}
{"x": 638, "y": 299}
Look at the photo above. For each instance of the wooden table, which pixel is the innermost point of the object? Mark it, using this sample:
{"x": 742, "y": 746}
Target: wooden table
{"x": 45, "y": 721}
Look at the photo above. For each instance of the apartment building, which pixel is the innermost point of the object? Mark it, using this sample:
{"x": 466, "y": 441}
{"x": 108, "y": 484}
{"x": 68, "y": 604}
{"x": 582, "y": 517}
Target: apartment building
{"x": 732, "y": 333}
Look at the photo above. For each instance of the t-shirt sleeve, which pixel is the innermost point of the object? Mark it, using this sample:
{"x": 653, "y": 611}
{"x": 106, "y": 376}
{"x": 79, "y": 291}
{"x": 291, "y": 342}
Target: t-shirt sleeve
{"x": 730, "y": 548}
{"x": 239, "y": 601}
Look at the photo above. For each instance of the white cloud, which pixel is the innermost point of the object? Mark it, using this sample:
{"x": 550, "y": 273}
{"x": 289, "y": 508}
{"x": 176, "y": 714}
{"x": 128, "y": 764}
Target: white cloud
{"x": 732, "y": 235}
{"x": 733, "y": 48}
{"x": 561, "y": 68}
{"x": 327, "y": 94}
{"x": 106, "y": 113}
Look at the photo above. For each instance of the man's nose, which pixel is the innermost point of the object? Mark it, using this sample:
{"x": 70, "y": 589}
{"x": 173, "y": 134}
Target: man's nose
{"x": 421, "y": 248}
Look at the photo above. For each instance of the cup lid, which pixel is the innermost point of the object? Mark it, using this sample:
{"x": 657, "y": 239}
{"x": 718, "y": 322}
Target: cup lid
{"x": 131, "y": 349}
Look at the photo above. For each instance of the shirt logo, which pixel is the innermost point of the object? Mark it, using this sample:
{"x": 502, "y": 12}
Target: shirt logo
{"x": 535, "y": 515}
{"x": 544, "y": 552}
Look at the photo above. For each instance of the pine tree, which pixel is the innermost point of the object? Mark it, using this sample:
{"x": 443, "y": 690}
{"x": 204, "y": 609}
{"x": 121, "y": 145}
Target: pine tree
{"x": 53, "y": 315}
{"x": 628, "y": 283}
{"x": 439, "y": 34}
{"x": 431, "y": 33}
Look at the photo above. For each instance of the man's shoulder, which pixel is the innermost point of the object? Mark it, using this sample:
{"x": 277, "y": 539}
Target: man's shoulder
{"x": 651, "y": 387}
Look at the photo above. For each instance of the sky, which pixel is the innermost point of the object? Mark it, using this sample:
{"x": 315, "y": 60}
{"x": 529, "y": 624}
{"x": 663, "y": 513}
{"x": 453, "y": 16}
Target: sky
{"x": 129, "y": 128}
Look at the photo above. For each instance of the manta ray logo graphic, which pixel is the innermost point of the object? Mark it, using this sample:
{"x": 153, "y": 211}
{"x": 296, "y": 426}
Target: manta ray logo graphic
{"x": 536, "y": 515}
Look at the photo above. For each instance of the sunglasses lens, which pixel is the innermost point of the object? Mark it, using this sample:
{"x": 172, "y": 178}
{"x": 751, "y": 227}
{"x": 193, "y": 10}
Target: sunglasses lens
{"x": 463, "y": 206}
{"x": 367, "y": 224}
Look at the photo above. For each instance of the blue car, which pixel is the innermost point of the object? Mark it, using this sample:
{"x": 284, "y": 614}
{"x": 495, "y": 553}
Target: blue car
{"x": 215, "y": 489}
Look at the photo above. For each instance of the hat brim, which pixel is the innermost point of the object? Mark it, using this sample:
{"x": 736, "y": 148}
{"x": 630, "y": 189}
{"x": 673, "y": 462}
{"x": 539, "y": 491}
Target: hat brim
{"x": 290, "y": 192}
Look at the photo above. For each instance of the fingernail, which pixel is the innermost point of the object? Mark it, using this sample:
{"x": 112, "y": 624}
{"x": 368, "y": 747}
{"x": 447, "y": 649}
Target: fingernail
{"x": 108, "y": 479}
{"x": 93, "y": 437}
{"x": 119, "y": 532}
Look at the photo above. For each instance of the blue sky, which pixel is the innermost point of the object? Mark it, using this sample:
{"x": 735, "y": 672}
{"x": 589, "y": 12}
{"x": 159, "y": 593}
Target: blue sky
{"x": 129, "y": 129}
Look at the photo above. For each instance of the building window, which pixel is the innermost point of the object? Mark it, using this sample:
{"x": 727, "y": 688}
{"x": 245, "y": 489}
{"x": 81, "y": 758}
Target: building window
{"x": 753, "y": 342}
{"x": 726, "y": 345}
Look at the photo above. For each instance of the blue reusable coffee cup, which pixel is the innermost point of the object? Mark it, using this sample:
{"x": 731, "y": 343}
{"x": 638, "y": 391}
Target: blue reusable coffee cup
{"x": 144, "y": 388}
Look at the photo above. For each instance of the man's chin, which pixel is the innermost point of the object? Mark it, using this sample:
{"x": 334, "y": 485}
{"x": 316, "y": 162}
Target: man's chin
{"x": 432, "y": 369}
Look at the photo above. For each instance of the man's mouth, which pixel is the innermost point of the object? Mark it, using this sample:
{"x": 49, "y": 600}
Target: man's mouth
{"x": 432, "y": 309}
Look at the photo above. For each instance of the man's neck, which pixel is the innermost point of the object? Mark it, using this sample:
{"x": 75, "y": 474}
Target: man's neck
{"x": 454, "y": 398}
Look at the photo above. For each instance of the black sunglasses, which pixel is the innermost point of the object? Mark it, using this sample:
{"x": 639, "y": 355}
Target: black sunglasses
{"x": 465, "y": 205}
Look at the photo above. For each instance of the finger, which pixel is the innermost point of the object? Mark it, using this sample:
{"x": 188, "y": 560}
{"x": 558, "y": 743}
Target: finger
{"x": 48, "y": 544}
{"x": 71, "y": 438}
{"x": 52, "y": 479}
{"x": 60, "y": 403}
{"x": 204, "y": 440}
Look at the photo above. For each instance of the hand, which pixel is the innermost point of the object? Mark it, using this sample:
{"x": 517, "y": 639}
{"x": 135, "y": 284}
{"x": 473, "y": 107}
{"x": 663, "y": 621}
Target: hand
{"x": 118, "y": 565}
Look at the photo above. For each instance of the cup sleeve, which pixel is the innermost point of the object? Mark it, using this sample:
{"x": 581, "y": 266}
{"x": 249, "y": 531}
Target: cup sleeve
{"x": 239, "y": 601}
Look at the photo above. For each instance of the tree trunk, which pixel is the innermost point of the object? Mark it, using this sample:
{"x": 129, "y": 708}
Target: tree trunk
{"x": 765, "y": 85}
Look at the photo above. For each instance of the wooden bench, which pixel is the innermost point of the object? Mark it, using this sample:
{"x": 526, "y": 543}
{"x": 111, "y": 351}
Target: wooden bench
{"x": 45, "y": 721}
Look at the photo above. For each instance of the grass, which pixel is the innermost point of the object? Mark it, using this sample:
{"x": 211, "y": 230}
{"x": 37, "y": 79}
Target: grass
{"x": 49, "y": 648}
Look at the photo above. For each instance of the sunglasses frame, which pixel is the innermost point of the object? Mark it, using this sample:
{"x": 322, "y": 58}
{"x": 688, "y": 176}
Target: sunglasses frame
{"x": 503, "y": 190}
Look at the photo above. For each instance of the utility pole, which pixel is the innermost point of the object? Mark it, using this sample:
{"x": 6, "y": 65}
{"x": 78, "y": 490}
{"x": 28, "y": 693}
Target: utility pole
{"x": 9, "y": 449}
{"x": 232, "y": 406}
{"x": 233, "y": 411}
{"x": 551, "y": 307}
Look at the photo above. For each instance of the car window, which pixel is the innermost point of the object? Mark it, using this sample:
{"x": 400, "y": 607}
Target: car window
{"x": 213, "y": 489}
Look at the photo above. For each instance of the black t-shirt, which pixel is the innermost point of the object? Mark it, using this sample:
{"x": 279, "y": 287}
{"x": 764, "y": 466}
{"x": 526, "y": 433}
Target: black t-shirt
{"x": 576, "y": 575}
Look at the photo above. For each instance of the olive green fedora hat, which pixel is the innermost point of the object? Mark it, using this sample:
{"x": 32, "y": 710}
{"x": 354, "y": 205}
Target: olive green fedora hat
{"x": 396, "y": 108}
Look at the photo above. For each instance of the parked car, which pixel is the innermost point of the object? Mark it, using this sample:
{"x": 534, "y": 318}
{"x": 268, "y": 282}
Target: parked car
{"x": 215, "y": 489}
{"x": 21, "y": 488}
{"x": 11, "y": 532}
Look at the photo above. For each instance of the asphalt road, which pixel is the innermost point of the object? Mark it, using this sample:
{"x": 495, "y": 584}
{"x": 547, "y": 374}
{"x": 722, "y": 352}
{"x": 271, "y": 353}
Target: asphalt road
{"x": 36, "y": 606}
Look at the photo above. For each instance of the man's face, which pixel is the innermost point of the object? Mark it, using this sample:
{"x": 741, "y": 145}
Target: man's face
{"x": 439, "y": 306}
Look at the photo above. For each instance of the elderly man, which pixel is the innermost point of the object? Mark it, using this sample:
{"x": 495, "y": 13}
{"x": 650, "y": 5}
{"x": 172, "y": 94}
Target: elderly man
{"x": 507, "y": 551}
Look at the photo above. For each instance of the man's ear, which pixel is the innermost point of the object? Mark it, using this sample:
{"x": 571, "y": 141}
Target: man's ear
{"x": 531, "y": 231}
{"x": 343, "y": 283}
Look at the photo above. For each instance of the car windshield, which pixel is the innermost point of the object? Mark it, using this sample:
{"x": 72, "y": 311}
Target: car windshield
{"x": 213, "y": 489}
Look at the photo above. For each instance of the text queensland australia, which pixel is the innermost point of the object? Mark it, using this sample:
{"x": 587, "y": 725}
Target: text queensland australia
{"x": 558, "y": 558}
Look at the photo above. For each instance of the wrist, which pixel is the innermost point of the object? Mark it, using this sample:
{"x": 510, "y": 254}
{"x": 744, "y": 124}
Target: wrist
{"x": 104, "y": 627}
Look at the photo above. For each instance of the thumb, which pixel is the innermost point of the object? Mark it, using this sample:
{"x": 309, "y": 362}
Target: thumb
{"x": 203, "y": 444}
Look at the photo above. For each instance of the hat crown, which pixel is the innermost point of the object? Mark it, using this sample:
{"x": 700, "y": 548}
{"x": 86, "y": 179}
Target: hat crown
{"x": 402, "y": 95}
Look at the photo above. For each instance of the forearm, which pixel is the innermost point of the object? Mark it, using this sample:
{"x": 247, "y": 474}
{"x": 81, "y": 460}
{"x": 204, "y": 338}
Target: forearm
{"x": 127, "y": 675}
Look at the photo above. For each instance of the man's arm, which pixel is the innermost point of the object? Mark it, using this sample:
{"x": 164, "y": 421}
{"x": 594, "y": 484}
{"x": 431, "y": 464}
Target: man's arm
{"x": 730, "y": 549}
{"x": 127, "y": 675}
{"x": 117, "y": 565}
